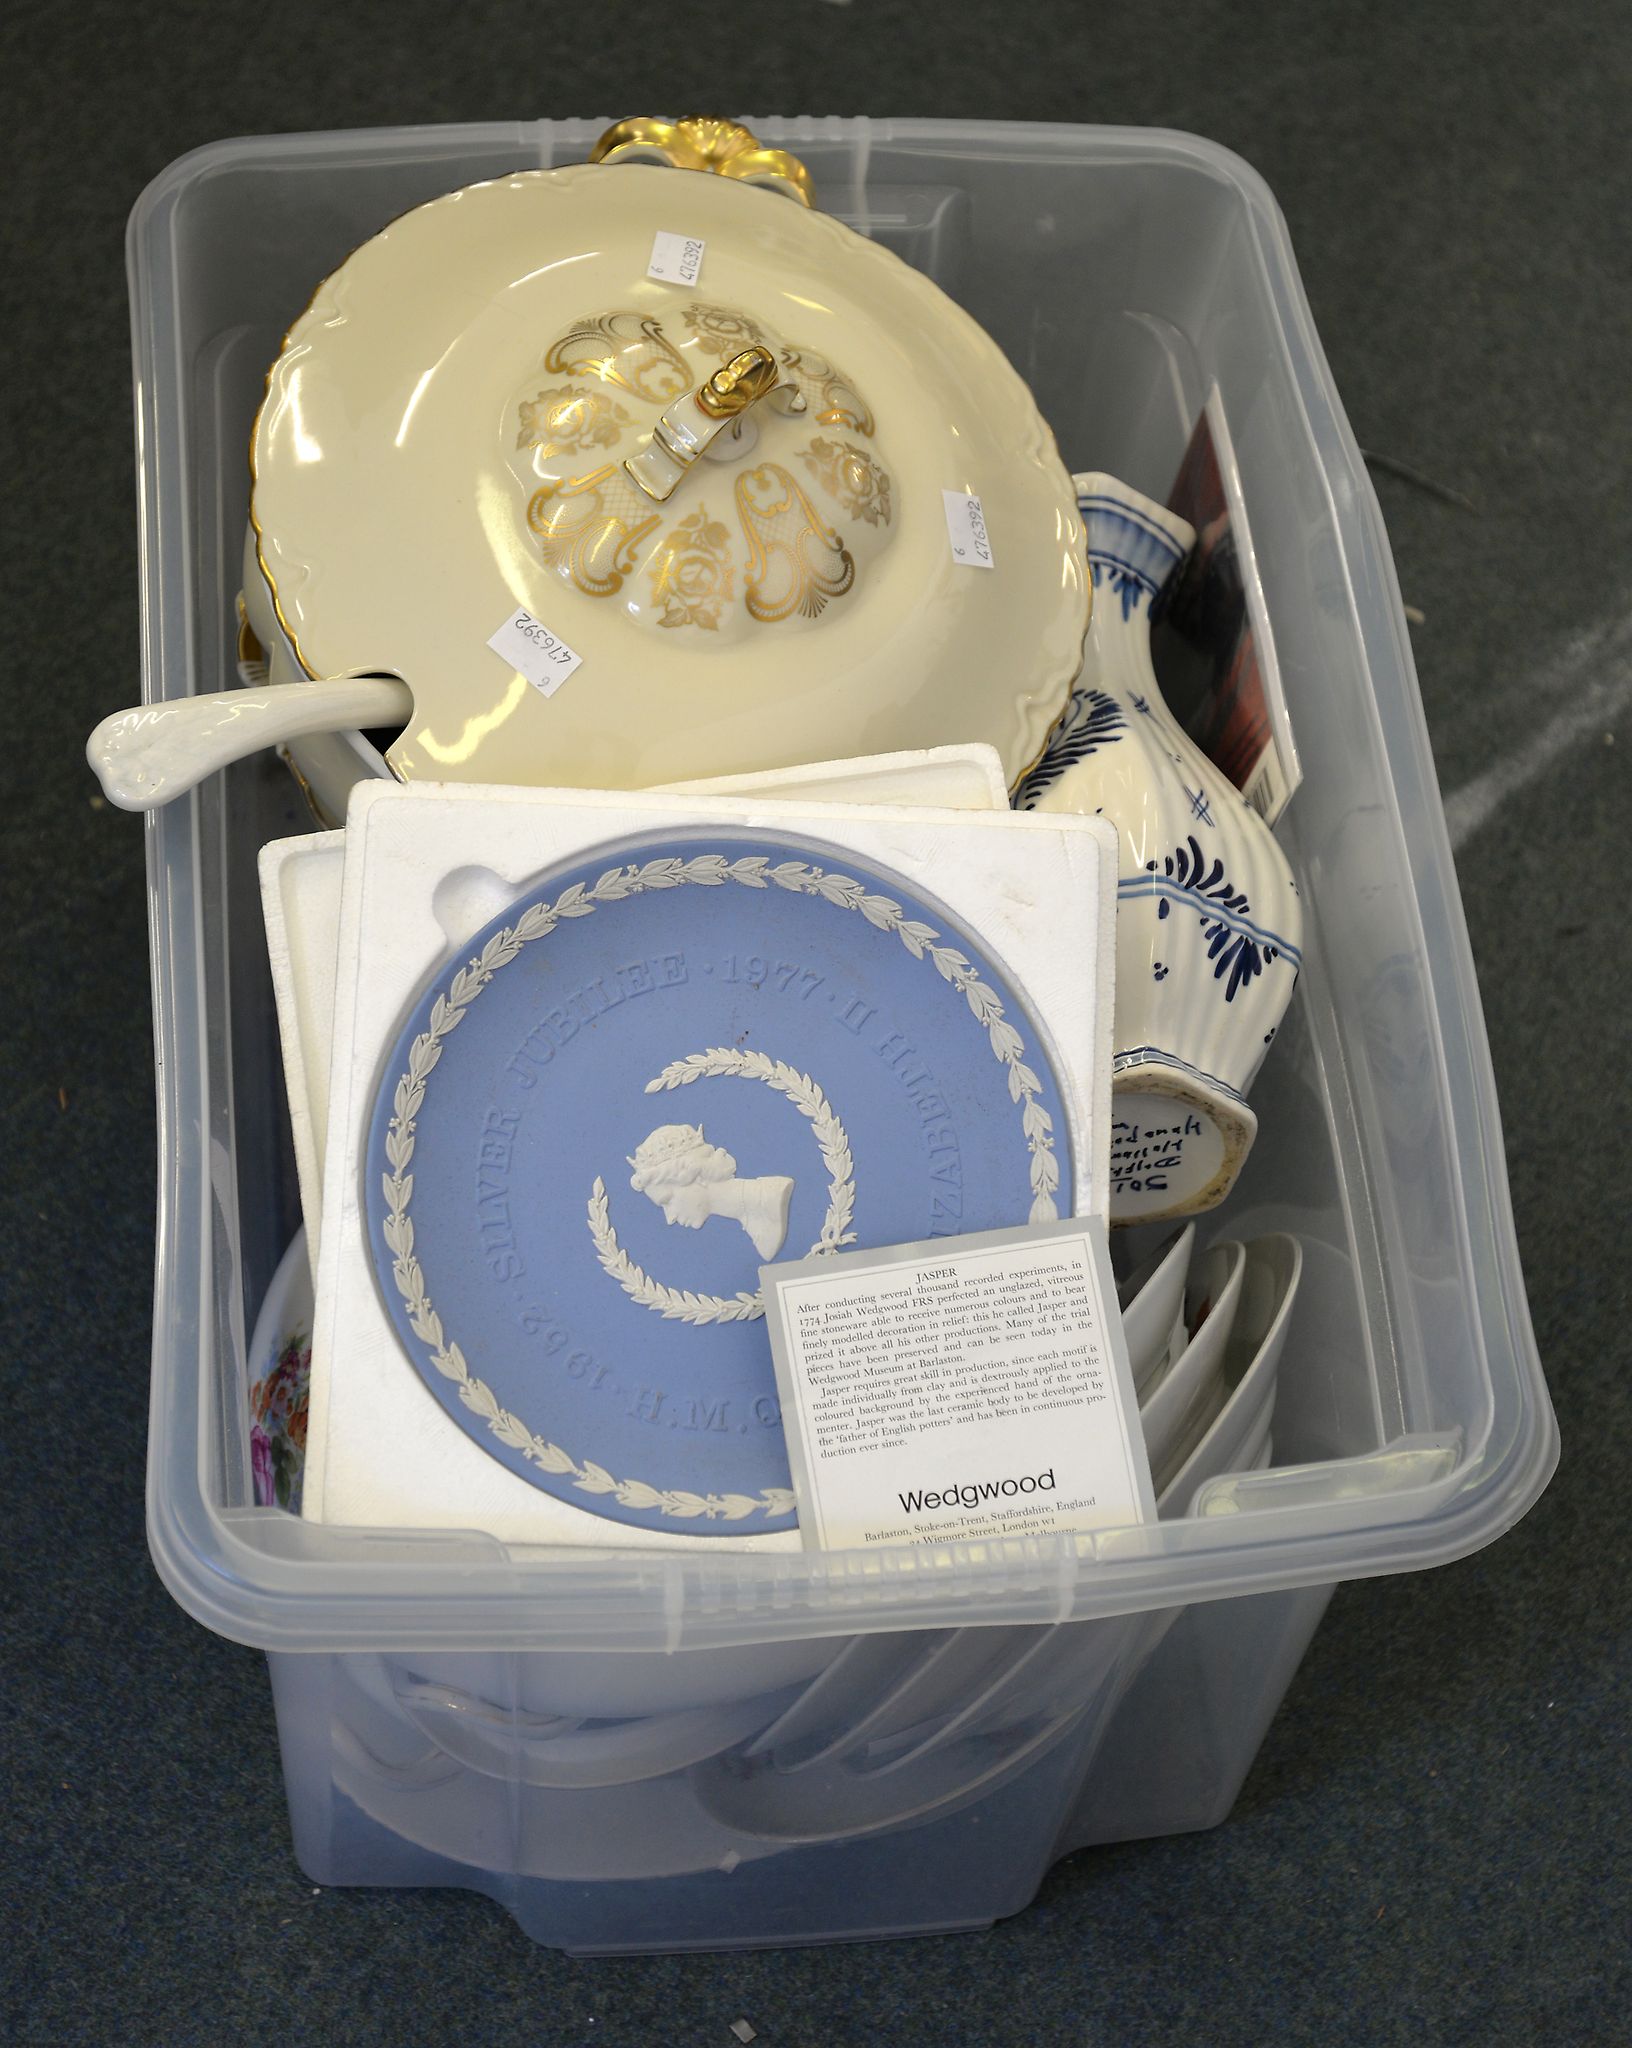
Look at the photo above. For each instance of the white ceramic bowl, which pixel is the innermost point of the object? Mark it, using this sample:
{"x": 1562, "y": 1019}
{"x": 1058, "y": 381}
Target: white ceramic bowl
{"x": 1153, "y": 1319}
{"x": 647, "y": 1829}
{"x": 1238, "y": 1438}
{"x": 566, "y": 1753}
{"x": 933, "y": 1733}
{"x": 1182, "y": 1402}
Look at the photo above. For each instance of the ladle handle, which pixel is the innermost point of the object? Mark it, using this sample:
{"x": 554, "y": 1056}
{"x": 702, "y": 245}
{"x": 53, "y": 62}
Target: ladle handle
{"x": 145, "y": 756}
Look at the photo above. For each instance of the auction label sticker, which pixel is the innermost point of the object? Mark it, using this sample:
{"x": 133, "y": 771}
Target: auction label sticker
{"x": 529, "y": 646}
{"x": 966, "y": 529}
{"x": 962, "y": 1388}
{"x": 676, "y": 259}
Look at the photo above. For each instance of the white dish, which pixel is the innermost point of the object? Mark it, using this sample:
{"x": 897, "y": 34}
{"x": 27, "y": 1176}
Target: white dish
{"x": 562, "y": 1753}
{"x": 1238, "y": 1437}
{"x": 1154, "y": 1315}
{"x": 1181, "y": 1403}
{"x": 957, "y": 1719}
{"x": 650, "y": 1829}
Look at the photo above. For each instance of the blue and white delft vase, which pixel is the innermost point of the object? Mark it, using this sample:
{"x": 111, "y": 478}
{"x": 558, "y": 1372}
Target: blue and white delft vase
{"x": 1209, "y": 925}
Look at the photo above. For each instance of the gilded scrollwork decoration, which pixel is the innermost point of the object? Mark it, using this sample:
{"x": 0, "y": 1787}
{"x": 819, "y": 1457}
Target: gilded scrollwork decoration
{"x": 796, "y": 562}
{"x": 851, "y": 476}
{"x": 566, "y": 418}
{"x": 579, "y": 441}
{"x": 692, "y": 577}
{"x": 723, "y": 331}
{"x": 833, "y": 400}
{"x": 627, "y": 349}
{"x": 591, "y": 528}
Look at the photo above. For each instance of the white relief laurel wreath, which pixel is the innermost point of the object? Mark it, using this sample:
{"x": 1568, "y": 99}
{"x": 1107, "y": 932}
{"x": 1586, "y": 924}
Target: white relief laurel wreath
{"x": 616, "y": 885}
{"x": 676, "y": 1304}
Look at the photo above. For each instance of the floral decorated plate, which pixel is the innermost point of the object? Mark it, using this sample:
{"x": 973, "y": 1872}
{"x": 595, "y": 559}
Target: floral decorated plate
{"x": 280, "y": 1365}
{"x": 713, "y": 512}
{"x": 627, "y": 1095}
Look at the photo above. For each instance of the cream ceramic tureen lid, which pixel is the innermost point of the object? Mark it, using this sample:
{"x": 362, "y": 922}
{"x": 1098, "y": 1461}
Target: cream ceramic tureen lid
{"x": 724, "y": 500}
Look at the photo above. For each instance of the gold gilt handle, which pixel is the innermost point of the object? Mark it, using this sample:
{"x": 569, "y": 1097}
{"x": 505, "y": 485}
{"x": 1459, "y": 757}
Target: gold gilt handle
{"x": 734, "y": 387}
{"x": 704, "y": 142}
{"x": 690, "y": 427}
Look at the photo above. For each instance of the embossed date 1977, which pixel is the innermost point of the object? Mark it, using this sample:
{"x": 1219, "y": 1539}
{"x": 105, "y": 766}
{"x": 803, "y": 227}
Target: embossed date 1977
{"x": 785, "y": 975}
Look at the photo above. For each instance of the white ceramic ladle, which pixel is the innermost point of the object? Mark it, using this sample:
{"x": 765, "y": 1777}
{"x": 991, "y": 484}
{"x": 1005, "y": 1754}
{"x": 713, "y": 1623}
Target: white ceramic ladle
{"x": 150, "y": 753}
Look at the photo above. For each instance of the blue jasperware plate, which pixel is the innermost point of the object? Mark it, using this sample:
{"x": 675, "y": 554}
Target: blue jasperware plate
{"x": 658, "y": 1070}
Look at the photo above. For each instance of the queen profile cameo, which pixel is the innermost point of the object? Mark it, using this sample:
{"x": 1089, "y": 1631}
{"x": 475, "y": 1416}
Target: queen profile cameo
{"x": 691, "y": 1180}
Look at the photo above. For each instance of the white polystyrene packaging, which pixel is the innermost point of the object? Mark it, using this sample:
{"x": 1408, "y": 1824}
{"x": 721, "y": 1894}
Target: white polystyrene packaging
{"x": 300, "y": 903}
{"x": 1038, "y": 893}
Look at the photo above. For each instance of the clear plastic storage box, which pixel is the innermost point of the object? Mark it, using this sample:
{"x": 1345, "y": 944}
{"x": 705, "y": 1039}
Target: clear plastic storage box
{"x": 639, "y": 1751}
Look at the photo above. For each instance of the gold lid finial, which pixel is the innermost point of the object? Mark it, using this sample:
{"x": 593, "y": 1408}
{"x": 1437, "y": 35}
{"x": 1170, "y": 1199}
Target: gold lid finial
{"x": 736, "y": 384}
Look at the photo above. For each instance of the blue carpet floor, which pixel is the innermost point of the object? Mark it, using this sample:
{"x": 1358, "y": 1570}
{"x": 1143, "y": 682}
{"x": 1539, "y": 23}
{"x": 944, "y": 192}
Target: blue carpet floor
{"x": 1433, "y": 1846}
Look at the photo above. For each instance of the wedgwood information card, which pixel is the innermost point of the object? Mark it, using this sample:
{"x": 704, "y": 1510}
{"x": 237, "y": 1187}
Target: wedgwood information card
{"x": 967, "y": 1387}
